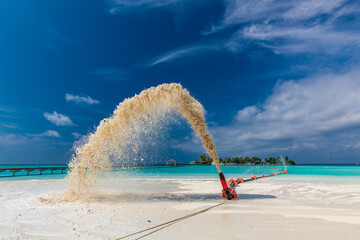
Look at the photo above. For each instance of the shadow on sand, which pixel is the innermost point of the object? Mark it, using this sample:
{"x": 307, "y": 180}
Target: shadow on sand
{"x": 138, "y": 197}
{"x": 183, "y": 197}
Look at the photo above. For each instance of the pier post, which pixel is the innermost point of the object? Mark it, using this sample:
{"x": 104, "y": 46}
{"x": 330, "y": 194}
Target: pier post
{"x": 28, "y": 170}
{"x": 14, "y": 171}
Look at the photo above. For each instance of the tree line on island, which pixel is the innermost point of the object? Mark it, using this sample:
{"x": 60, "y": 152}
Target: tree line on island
{"x": 206, "y": 160}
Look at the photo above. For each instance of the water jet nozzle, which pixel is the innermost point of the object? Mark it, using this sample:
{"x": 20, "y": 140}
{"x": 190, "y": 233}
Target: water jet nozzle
{"x": 228, "y": 193}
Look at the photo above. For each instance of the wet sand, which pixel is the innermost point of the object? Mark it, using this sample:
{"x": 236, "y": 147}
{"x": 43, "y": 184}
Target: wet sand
{"x": 273, "y": 208}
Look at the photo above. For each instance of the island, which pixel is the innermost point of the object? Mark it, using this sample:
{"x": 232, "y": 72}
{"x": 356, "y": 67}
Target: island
{"x": 206, "y": 160}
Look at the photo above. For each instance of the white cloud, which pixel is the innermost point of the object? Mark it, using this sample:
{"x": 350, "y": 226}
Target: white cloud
{"x": 84, "y": 139}
{"x": 247, "y": 114}
{"x": 357, "y": 145}
{"x": 243, "y": 11}
{"x": 10, "y": 125}
{"x": 298, "y": 39}
{"x": 287, "y": 27}
{"x": 58, "y": 119}
{"x": 293, "y": 26}
{"x": 120, "y": 6}
{"x": 76, "y": 135}
{"x": 12, "y": 140}
{"x": 48, "y": 133}
{"x": 176, "y": 54}
{"x": 6, "y": 109}
{"x": 321, "y": 111}
{"x": 233, "y": 44}
{"x": 80, "y": 99}
{"x": 300, "y": 10}
{"x": 183, "y": 52}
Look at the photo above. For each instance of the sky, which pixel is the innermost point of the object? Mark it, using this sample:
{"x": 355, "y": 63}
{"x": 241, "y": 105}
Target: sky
{"x": 274, "y": 77}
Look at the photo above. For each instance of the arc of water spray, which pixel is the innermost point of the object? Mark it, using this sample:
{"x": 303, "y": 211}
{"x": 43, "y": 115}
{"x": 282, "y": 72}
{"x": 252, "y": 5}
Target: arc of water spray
{"x": 107, "y": 140}
{"x": 283, "y": 161}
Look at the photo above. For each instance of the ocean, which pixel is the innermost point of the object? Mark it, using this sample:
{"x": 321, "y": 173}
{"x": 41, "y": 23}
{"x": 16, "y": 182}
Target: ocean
{"x": 307, "y": 172}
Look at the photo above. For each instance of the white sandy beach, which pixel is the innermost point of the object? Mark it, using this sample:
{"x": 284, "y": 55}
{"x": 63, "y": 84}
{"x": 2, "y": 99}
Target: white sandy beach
{"x": 272, "y": 208}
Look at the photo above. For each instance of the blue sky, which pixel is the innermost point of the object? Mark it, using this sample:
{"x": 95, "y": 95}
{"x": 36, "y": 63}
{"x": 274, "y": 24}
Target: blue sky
{"x": 275, "y": 77}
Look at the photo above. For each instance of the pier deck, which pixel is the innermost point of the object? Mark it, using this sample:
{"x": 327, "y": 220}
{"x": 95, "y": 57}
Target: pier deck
{"x": 62, "y": 170}
{"x": 31, "y": 169}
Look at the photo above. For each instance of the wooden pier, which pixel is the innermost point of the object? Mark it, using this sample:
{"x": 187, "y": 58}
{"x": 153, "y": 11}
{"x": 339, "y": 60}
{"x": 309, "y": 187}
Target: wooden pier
{"x": 62, "y": 169}
{"x": 126, "y": 167}
{"x": 31, "y": 169}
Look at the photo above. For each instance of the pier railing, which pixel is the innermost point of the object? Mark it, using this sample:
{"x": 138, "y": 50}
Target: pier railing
{"x": 31, "y": 169}
{"x": 62, "y": 170}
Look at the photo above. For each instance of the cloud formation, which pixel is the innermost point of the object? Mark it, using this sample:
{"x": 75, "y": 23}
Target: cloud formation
{"x": 76, "y": 135}
{"x": 12, "y": 140}
{"x": 242, "y": 11}
{"x": 288, "y": 27}
{"x": 309, "y": 26}
{"x": 10, "y": 125}
{"x": 183, "y": 52}
{"x": 7, "y": 109}
{"x": 120, "y": 6}
{"x": 48, "y": 133}
{"x": 58, "y": 119}
{"x": 319, "y": 112}
{"x": 80, "y": 99}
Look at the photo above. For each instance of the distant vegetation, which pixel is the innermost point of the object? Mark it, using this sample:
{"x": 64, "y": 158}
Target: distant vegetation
{"x": 205, "y": 160}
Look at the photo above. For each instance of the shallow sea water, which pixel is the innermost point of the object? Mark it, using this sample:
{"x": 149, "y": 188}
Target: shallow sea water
{"x": 309, "y": 172}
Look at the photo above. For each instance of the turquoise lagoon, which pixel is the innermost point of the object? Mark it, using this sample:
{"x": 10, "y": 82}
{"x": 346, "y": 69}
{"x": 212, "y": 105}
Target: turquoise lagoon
{"x": 307, "y": 172}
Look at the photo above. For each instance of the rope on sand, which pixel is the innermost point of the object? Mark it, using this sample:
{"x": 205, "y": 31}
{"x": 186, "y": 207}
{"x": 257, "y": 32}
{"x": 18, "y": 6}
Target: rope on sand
{"x": 232, "y": 186}
{"x": 172, "y": 221}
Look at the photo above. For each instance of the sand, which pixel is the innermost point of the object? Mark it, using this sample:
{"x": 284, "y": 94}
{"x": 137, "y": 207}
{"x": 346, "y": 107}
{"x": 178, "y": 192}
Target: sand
{"x": 272, "y": 208}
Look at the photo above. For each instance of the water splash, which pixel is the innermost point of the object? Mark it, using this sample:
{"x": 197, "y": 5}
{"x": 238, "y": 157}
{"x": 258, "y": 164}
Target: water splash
{"x": 282, "y": 159}
{"x": 141, "y": 114}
